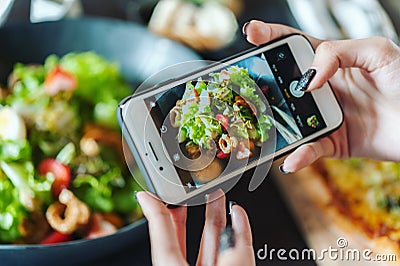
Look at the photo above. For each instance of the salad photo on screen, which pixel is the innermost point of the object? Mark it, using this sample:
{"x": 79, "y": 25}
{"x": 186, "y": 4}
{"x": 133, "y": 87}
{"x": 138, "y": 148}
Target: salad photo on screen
{"x": 231, "y": 111}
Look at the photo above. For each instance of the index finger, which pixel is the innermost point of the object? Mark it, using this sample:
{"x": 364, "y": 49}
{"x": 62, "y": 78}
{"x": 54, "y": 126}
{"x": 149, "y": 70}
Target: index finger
{"x": 242, "y": 253}
{"x": 259, "y": 32}
{"x": 179, "y": 216}
{"x": 165, "y": 247}
{"x": 241, "y": 227}
{"x": 214, "y": 223}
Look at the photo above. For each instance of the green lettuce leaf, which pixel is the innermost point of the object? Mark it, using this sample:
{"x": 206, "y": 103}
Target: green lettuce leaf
{"x": 13, "y": 150}
{"x": 12, "y": 212}
{"x": 20, "y": 191}
{"x": 109, "y": 192}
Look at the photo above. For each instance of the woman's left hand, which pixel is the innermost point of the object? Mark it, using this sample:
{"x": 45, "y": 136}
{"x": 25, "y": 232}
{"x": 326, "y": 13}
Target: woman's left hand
{"x": 168, "y": 233}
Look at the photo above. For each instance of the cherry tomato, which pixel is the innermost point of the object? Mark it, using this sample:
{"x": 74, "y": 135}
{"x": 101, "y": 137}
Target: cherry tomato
{"x": 223, "y": 119}
{"x": 56, "y": 237}
{"x": 222, "y": 155}
{"x": 61, "y": 172}
{"x": 59, "y": 80}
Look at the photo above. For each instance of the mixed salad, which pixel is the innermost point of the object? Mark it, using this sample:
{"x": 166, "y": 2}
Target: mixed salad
{"x": 224, "y": 112}
{"x": 62, "y": 173}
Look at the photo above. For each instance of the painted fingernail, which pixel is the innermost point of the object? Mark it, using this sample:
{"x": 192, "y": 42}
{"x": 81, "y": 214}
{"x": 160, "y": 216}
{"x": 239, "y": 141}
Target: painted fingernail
{"x": 244, "y": 28}
{"x": 231, "y": 204}
{"x": 135, "y": 195}
{"x": 282, "y": 169}
{"x": 306, "y": 79}
{"x": 226, "y": 239}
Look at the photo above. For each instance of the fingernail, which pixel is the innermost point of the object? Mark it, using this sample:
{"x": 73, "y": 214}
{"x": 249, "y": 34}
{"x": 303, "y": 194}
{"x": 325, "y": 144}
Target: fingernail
{"x": 231, "y": 204}
{"x": 226, "y": 239}
{"x": 135, "y": 195}
{"x": 306, "y": 79}
{"x": 282, "y": 170}
{"x": 244, "y": 28}
{"x": 206, "y": 197}
{"x": 214, "y": 195}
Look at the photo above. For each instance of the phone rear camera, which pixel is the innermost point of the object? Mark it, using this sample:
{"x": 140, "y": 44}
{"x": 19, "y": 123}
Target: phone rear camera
{"x": 161, "y": 168}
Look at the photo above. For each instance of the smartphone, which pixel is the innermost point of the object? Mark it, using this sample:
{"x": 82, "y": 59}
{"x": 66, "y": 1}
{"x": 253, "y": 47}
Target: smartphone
{"x": 195, "y": 132}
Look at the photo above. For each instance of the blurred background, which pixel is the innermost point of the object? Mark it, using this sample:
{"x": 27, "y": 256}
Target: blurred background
{"x": 214, "y": 25}
{"x": 212, "y": 28}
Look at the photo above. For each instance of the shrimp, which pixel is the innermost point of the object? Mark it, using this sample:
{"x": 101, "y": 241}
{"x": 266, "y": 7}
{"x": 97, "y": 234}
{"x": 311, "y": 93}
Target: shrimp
{"x": 69, "y": 214}
{"x": 245, "y": 150}
{"x": 240, "y": 101}
{"x": 227, "y": 143}
{"x": 89, "y": 146}
{"x": 175, "y": 116}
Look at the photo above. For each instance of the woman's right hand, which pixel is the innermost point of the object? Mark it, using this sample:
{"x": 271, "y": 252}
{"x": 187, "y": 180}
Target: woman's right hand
{"x": 365, "y": 76}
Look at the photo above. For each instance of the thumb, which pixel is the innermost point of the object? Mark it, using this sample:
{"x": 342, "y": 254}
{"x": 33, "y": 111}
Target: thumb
{"x": 368, "y": 54}
{"x": 308, "y": 153}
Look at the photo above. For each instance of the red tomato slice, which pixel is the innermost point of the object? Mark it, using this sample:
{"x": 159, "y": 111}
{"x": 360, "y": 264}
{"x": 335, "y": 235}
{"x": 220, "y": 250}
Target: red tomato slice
{"x": 223, "y": 119}
{"x": 222, "y": 155}
{"x": 61, "y": 172}
{"x": 59, "y": 80}
{"x": 56, "y": 237}
{"x": 196, "y": 93}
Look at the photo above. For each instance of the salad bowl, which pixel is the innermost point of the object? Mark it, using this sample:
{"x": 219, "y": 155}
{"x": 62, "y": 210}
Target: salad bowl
{"x": 139, "y": 54}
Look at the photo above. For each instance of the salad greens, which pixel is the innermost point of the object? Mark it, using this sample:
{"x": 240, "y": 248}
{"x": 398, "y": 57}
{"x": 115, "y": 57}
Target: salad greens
{"x": 20, "y": 188}
{"x": 59, "y": 130}
{"x": 13, "y": 150}
{"x": 226, "y": 105}
{"x": 11, "y": 211}
{"x": 100, "y": 83}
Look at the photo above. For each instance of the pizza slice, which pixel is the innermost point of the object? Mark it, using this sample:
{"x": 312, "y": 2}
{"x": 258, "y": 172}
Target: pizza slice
{"x": 358, "y": 199}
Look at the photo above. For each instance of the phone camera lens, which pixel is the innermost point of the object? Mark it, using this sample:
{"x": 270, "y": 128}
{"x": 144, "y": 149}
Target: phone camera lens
{"x": 161, "y": 168}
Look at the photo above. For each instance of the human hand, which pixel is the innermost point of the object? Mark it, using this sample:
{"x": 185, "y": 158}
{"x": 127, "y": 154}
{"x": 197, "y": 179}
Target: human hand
{"x": 365, "y": 76}
{"x": 168, "y": 233}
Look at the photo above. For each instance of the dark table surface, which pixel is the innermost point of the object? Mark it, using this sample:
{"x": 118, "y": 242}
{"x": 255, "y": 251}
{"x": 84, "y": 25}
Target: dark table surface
{"x": 271, "y": 221}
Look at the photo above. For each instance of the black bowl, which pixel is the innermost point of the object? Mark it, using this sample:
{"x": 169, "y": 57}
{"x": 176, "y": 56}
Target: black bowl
{"x": 140, "y": 54}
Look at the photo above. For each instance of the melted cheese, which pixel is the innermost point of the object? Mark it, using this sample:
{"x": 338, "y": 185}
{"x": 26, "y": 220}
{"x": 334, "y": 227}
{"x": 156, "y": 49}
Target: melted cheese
{"x": 359, "y": 192}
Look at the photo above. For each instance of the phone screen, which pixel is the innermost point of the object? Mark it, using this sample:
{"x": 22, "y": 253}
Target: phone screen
{"x": 223, "y": 110}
